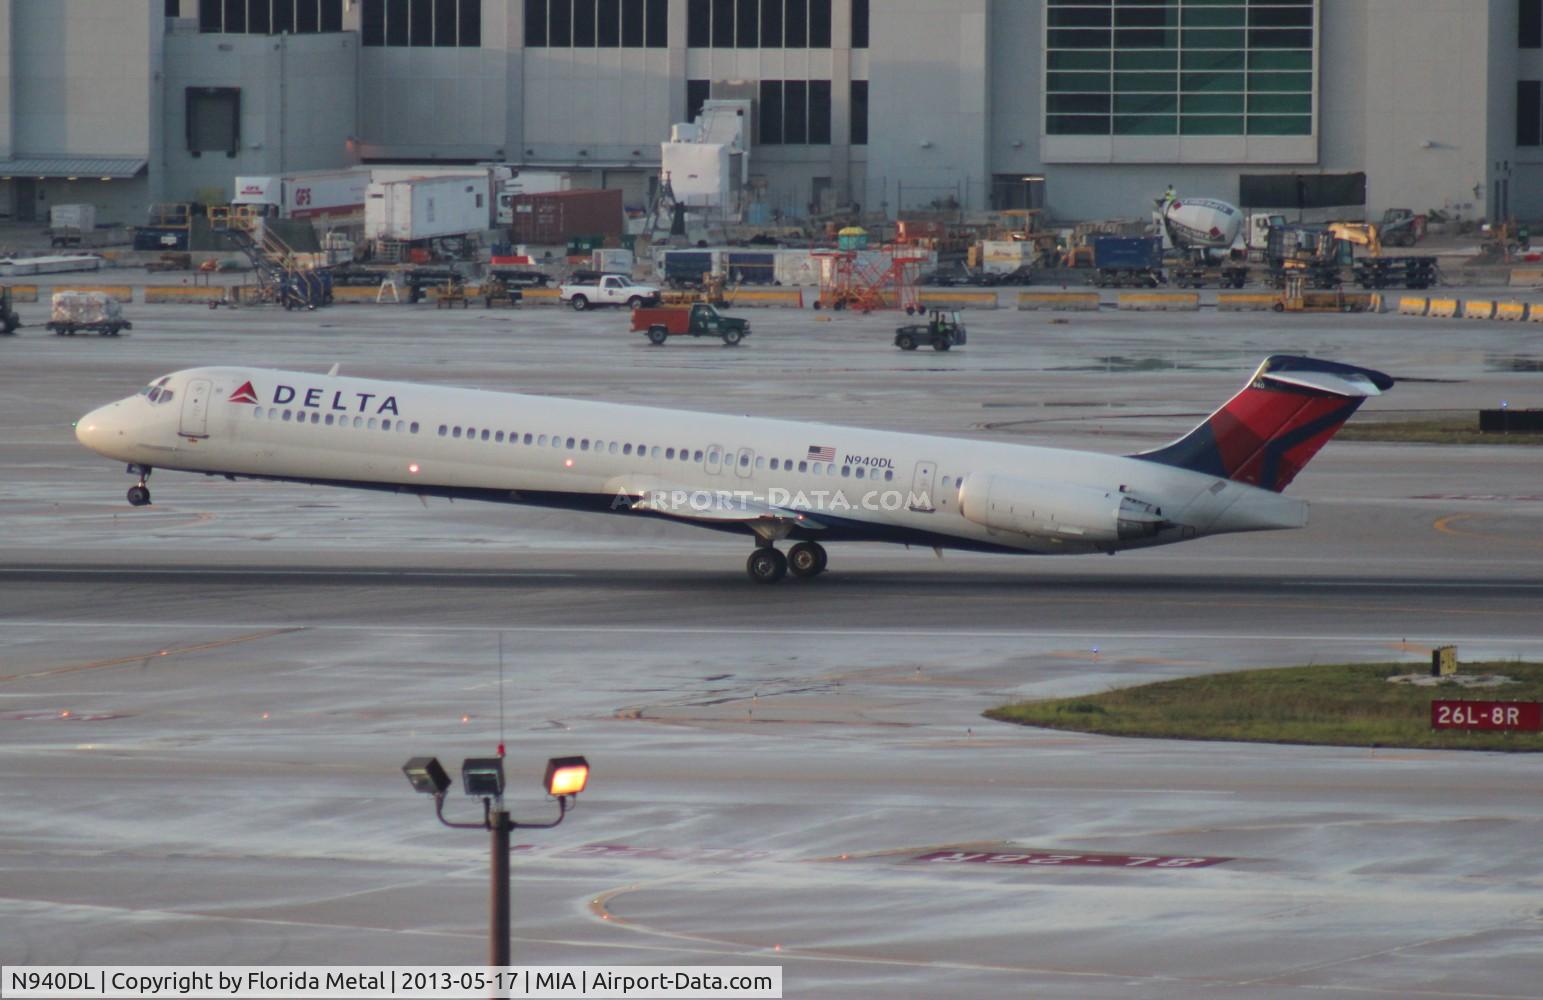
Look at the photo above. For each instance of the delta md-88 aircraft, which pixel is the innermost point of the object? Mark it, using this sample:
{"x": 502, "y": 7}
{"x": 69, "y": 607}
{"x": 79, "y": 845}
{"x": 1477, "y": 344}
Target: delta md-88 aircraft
{"x": 772, "y": 480}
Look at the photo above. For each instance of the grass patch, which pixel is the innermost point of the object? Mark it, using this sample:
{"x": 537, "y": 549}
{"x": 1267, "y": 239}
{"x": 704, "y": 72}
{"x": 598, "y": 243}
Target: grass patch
{"x": 1456, "y": 429}
{"x": 1332, "y": 704}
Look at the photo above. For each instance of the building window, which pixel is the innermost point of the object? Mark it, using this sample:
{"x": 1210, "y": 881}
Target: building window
{"x": 1530, "y": 24}
{"x": 860, "y": 24}
{"x": 173, "y": 8}
{"x": 697, "y": 93}
{"x": 795, "y": 112}
{"x": 419, "y": 23}
{"x": 1529, "y": 113}
{"x": 859, "y": 113}
{"x": 606, "y": 24}
{"x": 213, "y": 120}
{"x": 766, "y": 24}
{"x": 264, "y": 17}
{"x": 1182, "y": 68}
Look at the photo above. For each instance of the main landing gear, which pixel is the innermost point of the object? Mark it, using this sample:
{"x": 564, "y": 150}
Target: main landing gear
{"x": 804, "y": 560}
{"x": 139, "y": 493}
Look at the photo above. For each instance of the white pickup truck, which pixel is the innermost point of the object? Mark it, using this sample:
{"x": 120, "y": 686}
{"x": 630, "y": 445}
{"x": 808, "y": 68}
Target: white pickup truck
{"x": 609, "y": 290}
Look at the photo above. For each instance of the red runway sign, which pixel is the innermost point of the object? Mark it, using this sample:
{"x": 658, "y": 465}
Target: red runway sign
{"x": 1519, "y": 715}
{"x": 1047, "y": 858}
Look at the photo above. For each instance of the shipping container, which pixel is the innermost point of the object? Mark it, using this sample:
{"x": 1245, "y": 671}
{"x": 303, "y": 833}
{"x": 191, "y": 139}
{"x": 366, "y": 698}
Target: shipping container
{"x": 305, "y": 194}
{"x": 752, "y": 268}
{"x": 427, "y": 207}
{"x": 685, "y": 268}
{"x": 553, "y": 217}
{"x": 81, "y": 218}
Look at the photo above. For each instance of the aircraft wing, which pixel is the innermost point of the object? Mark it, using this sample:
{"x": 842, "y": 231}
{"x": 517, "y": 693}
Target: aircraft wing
{"x": 715, "y": 506}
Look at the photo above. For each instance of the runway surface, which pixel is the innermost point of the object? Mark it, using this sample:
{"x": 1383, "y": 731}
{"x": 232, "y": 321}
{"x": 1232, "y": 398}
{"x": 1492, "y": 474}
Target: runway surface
{"x": 205, "y": 703}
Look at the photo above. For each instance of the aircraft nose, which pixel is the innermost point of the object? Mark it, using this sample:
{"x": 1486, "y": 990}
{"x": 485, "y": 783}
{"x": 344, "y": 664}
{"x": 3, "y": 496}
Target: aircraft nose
{"x": 98, "y": 429}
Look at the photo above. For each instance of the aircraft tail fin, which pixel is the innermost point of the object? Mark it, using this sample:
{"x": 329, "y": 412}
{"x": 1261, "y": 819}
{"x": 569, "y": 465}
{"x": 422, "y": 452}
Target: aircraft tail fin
{"x": 1273, "y": 427}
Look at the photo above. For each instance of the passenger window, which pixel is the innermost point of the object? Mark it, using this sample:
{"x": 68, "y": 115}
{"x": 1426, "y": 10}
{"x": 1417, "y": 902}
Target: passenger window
{"x": 372, "y": 423}
{"x": 498, "y": 438}
{"x": 570, "y": 444}
{"x": 945, "y": 482}
{"x": 774, "y": 464}
{"x": 541, "y": 441}
{"x": 358, "y": 422}
{"x": 803, "y": 466}
{"x": 484, "y": 434}
{"x": 456, "y": 433}
{"x": 385, "y": 425}
{"x": 413, "y": 428}
{"x": 669, "y": 453}
{"x": 614, "y": 447}
{"x": 859, "y": 472}
{"x": 817, "y": 469}
{"x": 655, "y": 452}
{"x": 316, "y": 418}
{"x": 846, "y": 472}
{"x": 443, "y": 430}
{"x": 288, "y": 416}
{"x": 584, "y": 445}
{"x": 627, "y": 450}
{"x": 889, "y": 475}
{"x": 527, "y": 439}
{"x": 712, "y": 456}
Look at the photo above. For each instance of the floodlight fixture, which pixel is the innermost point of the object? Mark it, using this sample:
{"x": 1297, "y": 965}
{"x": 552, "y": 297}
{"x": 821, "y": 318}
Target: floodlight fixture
{"x": 483, "y": 776}
{"x": 426, "y": 775}
{"x": 566, "y": 775}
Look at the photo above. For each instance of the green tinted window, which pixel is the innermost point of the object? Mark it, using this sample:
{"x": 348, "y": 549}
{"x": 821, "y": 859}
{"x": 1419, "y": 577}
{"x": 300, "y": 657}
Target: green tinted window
{"x": 1302, "y": 82}
{"x": 1132, "y": 125}
{"x": 1214, "y": 17}
{"x": 1076, "y": 82}
{"x": 1213, "y": 38}
{"x": 1280, "y": 59}
{"x": 1146, "y": 104}
{"x": 1078, "y": 60}
{"x": 1280, "y": 104}
{"x": 1211, "y": 125}
{"x": 1077, "y": 124}
{"x": 1077, "y": 104}
{"x": 1212, "y": 104}
{"x": 1280, "y": 125}
{"x": 1204, "y": 60}
{"x": 1212, "y": 82}
{"x": 1147, "y": 59}
{"x": 1124, "y": 82}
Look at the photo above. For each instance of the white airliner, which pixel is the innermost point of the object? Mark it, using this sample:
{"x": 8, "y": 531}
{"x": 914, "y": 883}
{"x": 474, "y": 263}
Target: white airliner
{"x": 773, "y": 480}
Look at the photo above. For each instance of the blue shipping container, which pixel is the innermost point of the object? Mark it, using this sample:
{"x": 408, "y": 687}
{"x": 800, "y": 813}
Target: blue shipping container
{"x": 1128, "y": 252}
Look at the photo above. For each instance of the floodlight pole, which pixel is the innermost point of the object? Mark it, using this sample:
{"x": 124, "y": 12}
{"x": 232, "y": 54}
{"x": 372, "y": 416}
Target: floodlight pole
{"x": 498, "y": 921}
{"x": 496, "y": 819}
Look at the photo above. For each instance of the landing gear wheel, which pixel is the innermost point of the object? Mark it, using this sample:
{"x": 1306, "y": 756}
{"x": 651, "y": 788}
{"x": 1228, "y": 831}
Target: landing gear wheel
{"x": 139, "y": 496}
{"x": 766, "y": 565}
{"x": 806, "y": 559}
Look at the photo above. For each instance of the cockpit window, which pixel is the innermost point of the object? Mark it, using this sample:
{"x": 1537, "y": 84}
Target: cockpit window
{"x": 157, "y": 392}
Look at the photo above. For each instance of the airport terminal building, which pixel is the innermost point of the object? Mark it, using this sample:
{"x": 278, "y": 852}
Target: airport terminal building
{"x": 1088, "y": 108}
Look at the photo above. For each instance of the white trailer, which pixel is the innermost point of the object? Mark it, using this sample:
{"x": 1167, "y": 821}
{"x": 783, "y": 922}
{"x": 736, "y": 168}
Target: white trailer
{"x": 306, "y": 194}
{"x": 422, "y": 208}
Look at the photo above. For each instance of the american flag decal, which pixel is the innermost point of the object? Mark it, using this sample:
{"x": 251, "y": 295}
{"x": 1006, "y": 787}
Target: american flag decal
{"x": 821, "y": 453}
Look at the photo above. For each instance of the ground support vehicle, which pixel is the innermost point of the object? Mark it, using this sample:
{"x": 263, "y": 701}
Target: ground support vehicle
{"x": 698, "y": 320}
{"x": 1295, "y": 297}
{"x": 610, "y": 290}
{"x": 515, "y": 277}
{"x": 1401, "y": 227}
{"x": 497, "y": 291}
{"x": 86, "y": 312}
{"x": 9, "y": 321}
{"x": 1128, "y": 261}
{"x": 451, "y": 294}
{"x": 942, "y": 331}
{"x": 1192, "y": 275}
{"x": 1323, "y": 255}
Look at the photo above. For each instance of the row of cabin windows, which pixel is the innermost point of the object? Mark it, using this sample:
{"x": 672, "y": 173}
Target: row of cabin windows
{"x": 288, "y": 415}
{"x": 668, "y": 454}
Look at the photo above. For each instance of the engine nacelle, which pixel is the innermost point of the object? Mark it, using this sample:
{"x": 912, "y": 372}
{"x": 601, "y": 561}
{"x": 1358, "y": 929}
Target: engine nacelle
{"x": 1057, "y": 510}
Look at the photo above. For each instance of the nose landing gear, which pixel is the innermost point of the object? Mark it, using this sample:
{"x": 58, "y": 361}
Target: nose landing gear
{"x": 139, "y": 493}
